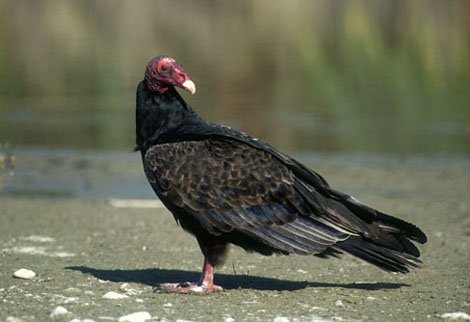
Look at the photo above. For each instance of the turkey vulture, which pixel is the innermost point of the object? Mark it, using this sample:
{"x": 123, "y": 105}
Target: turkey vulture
{"x": 227, "y": 187}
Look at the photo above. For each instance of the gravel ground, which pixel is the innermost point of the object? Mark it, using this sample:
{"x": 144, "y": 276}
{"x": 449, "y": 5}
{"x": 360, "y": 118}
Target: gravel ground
{"x": 100, "y": 260}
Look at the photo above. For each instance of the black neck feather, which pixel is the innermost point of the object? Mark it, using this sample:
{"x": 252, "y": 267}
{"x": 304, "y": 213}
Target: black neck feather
{"x": 159, "y": 116}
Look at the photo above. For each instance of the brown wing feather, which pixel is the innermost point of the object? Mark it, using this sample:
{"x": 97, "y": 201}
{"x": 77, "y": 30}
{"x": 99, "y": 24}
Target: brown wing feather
{"x": 229, "y": 185}
{"x": 210, "y": 174}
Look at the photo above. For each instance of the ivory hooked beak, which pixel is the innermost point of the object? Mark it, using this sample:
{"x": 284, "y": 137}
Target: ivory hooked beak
{"x": 189, "y": 86}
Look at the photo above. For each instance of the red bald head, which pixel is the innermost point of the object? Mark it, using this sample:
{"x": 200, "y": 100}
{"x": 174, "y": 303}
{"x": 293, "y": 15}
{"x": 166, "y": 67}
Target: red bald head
{"x": 163, "y": 72}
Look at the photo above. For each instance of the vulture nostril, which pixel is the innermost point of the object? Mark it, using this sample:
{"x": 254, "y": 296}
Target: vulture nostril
{"x": 180, "y": 78}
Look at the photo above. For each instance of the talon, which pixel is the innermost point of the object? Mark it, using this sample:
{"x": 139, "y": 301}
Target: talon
{"x": 204, "y": 286}
{"x": 187, "y": 288}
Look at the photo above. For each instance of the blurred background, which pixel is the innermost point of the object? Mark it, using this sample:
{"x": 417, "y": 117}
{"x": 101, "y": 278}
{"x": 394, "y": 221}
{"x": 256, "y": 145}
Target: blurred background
{"x": 308, "y": 76}
{"x": 352, "y": 80}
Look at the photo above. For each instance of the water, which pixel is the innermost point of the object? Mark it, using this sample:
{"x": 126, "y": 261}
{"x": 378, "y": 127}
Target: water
{"x": 286, "y": 130}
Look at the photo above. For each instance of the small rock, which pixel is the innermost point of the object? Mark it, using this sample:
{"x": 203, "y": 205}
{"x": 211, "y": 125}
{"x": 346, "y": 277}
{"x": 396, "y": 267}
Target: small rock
{"x": 128, "y": 290}
{"x": 167, "y": 305}
{"x": 60, "y": 310}
{"x": 455, "y": 316}
{"x": 317, "y": 308}
{"x": 114, "y": 296}
{"x": 25, "y": 274}
{"x": 280, "y": 319}
{"x": 229, "y": 319}
{"x": 39, "y": 239}
{"x": 13, "y": 319}
{"x": 339, "y": 303}
{"x": 72, "y": 299}
{"x": 135, "y": 317}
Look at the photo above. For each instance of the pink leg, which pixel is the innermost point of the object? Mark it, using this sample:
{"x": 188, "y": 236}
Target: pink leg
{"x": 204, "y": 286}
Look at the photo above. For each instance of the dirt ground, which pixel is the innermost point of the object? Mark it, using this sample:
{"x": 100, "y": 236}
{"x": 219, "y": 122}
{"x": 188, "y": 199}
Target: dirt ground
{"x": 81, "y": 247}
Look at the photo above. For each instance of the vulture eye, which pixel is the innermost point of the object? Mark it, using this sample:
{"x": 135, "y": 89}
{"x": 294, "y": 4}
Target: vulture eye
{"x": 163, "y": 68}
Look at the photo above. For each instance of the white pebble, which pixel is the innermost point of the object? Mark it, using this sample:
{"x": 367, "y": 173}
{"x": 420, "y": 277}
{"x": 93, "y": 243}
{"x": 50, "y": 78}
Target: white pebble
{"x": 114, "y": 296}
{"x": 229, "y": 319}
{"x": 280, "y": 319}
{"x": 317, "y": 308}
{"x": 70, "y": 300}
{"x": 455, "y": 316}
{"x": 25, "y": 274}
{"x": 39, "y": 239}
{"x": 13, "y": 319}
{"x": 339, "y": 303}
{"x": 125, "y": 286}
{"x": 60, "y": 310}
{"x": 135, "y": 317}
{"x": 167, "y": 305}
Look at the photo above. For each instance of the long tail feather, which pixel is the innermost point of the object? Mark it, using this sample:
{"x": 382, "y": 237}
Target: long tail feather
{"x": 385, "y": 258}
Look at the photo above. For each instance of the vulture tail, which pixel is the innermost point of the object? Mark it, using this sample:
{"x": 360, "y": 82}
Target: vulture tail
{"x": 381, "y": 256}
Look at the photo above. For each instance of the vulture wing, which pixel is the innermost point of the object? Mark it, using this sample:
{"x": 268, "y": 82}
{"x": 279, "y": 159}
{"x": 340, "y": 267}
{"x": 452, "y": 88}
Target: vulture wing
{"x": 228, "y": 185}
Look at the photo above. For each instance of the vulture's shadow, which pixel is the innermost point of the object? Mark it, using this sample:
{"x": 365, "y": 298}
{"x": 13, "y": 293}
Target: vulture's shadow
{"x": 155, "y": 276}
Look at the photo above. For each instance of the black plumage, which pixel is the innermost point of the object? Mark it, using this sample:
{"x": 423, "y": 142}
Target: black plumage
{"x": 226, "y": 187}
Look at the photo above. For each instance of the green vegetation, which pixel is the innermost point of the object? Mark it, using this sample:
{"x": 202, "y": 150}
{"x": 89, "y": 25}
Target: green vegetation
{"x": 315, "y": 75}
